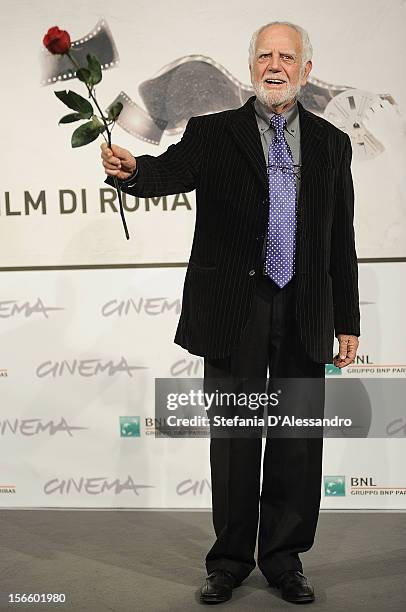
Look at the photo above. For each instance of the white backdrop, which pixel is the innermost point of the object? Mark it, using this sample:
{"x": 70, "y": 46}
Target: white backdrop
{"x": 59, "y": 412}
{"x": 81, "y": 349}
{"x": 364, "y": 53}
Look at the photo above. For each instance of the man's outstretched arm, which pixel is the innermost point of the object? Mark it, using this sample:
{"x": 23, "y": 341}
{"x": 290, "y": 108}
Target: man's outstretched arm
{"x": 175, "y": 171}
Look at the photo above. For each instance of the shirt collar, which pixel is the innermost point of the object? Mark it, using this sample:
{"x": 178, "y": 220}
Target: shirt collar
{"x": 264, "y": 118}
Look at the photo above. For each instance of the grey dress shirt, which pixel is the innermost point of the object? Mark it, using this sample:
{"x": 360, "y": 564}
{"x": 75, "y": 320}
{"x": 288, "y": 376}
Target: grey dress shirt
{"x": 292, "y": 132}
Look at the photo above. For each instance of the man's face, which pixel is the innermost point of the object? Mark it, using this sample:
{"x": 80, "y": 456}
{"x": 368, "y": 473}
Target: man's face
{"x": 277, "y": 73}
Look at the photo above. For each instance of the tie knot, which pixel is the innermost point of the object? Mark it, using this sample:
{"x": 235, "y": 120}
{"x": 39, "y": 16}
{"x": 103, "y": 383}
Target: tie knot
{"x": 278, "y": 122}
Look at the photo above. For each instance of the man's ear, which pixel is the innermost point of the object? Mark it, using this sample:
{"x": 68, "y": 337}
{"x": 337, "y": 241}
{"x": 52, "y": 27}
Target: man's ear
{"x": 306, "y": 71}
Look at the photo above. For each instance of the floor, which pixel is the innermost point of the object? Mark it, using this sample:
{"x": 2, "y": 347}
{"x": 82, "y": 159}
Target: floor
{"x": 153, "y": 561}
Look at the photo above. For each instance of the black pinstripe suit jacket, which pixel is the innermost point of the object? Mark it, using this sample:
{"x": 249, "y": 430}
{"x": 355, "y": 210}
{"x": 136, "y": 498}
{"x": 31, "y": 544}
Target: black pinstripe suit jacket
{"x": 221, "y": 156}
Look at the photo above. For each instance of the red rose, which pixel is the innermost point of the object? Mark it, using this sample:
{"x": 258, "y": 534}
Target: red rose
{"x": 57, "y": 41}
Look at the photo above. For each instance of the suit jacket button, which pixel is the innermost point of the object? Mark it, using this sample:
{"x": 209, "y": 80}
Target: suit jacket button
{"x": 251, "y": 272}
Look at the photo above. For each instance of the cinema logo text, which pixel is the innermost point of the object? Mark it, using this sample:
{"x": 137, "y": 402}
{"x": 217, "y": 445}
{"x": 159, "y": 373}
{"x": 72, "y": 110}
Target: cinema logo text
{"x": 149, "y": 306}
{"x": 86, "y": 368}
{"x": 34, "y": 427}
{"x": 7, "y": 489}
{"x": 397, "y": 427}
{"x": 193, "y": 487}
{"x": 75, "y": 202}
{"x": 187, "y": 367}
{"x": 93, "y": 486}
{"x": 12, "y": 308}
{"x": 3, "y": 373}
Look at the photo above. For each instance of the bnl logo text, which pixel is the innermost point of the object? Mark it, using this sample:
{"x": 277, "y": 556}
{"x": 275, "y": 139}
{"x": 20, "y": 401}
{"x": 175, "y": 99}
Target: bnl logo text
{"x": 334, "y": 486}
{"x": 362, "y": 482}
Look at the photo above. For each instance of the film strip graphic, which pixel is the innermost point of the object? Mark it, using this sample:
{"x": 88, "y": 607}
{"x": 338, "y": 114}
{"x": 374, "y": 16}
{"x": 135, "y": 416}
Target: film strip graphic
{"x": 98, "y": 42}
{"x": 198, "y": 85}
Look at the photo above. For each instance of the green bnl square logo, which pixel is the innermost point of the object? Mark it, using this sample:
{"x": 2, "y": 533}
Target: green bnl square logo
{"x": 331, "y": 370}
{"x": 130, "y": 426}
{"x": 334, "y": 486}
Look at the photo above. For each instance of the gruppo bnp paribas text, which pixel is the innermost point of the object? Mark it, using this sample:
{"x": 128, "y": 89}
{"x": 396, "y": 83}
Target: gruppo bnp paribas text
{"x": 69, "y": 202}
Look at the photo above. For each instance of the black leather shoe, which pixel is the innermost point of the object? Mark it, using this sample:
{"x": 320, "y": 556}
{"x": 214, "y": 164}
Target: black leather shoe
{"x": 218, "y": 587}
{"x": 294, "y": 587}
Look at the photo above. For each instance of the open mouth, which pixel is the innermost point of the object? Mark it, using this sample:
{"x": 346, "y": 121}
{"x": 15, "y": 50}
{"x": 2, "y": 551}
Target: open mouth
{"x": 275, "y": 82}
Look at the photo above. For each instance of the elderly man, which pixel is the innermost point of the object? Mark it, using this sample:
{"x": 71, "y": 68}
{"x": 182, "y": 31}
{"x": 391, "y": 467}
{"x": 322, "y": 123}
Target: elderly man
{"x": 272, "y": 276}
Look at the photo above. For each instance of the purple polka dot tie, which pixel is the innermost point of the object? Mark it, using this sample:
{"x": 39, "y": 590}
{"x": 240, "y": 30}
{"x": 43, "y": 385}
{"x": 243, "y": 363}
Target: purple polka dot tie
{"x": 280, "y": 248}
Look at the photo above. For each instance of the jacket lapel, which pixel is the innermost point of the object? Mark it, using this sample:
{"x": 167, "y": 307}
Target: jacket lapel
{"x": 311, "y": 142}
{"x": 244, "y": 128}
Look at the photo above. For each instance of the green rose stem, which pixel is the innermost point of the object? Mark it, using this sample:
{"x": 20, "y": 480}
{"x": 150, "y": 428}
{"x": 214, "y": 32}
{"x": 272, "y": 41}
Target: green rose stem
{"x": 108, "y": 140}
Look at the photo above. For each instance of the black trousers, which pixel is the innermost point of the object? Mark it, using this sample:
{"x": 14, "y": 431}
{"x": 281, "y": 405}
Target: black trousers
{"x": 287, "y": 507}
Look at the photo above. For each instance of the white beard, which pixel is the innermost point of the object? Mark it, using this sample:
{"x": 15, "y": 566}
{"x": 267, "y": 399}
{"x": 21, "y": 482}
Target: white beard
{"x": 275, "y": 98}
